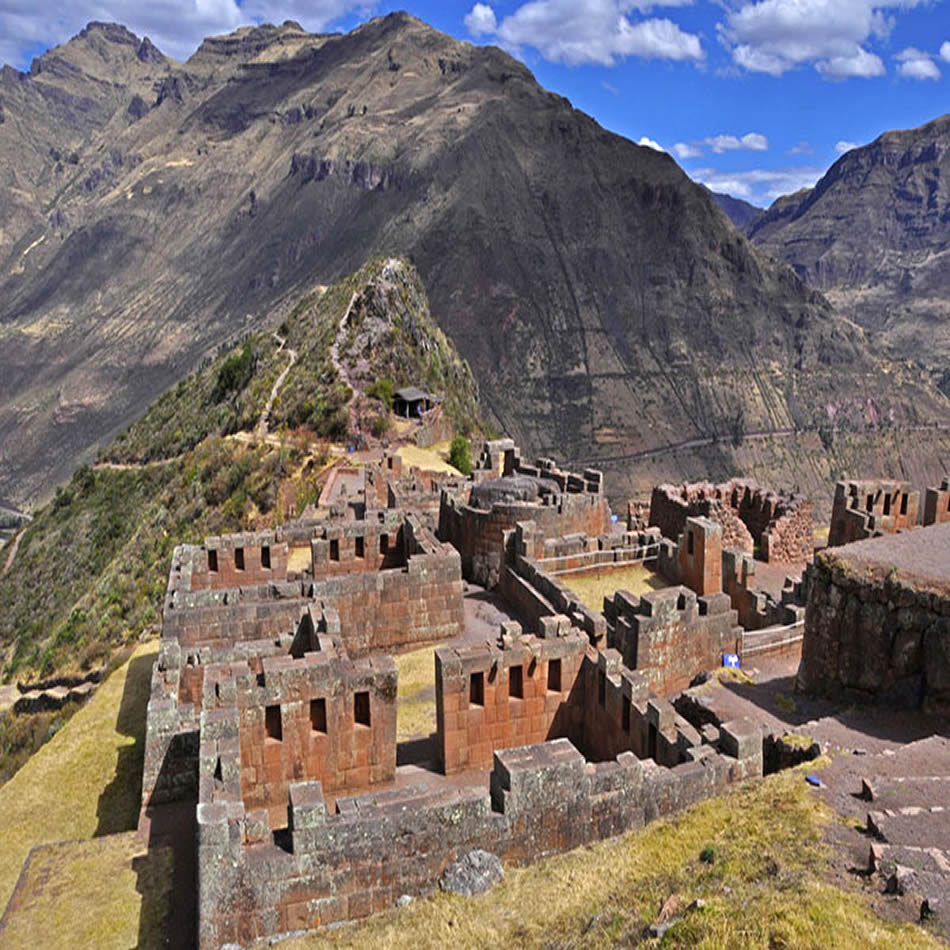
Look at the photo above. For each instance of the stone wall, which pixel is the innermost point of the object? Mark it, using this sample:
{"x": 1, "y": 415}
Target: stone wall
{"x": 749, "y": 515}
{"x": 380, "y": 610}
{"x": 863, "y": 509}
{"x": 757, "y": 608}
{"x": 540, "y": 800}
{"x": 671, "y": 635}
{"x": 877, "y": 628}
{"x": 937, "y": 503}
{"x": 481, "y": 707}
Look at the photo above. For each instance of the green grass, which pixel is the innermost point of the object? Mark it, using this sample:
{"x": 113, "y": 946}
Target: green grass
{"x": 766, "y": 887}
{"x": 87, "y": 779}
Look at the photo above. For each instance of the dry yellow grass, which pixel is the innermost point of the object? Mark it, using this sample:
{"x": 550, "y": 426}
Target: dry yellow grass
{"x": 765, "y": 887}
{"x": 87, "y": 894}
{"x": 86, "y": 779}
{"x": 592, "y": 588}
{"x": 415, "y": 699}
{"x": 430, "y": 460}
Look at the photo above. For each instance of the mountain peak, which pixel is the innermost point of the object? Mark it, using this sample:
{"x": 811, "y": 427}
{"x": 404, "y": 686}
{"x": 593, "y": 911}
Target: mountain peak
{"x": 113, "y": 32}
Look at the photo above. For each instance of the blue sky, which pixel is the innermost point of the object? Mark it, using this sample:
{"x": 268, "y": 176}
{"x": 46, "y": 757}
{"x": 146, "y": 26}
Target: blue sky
{"x": 754, "y": 97}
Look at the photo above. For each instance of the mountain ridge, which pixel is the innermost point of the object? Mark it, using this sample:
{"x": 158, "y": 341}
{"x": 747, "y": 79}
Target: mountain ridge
{"x": 603, "y": 300}
{"x": 874, "y": 236}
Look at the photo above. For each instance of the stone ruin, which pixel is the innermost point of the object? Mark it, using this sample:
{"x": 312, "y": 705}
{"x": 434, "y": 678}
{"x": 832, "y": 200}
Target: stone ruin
{"x": 274, "y": 697}
{"x": 753, "y": 519}
{"x": 273, "y": 705}
{"x": 506, "y": 491}
{"x": 872, "y": 508}
{"x": 877, "y": 623}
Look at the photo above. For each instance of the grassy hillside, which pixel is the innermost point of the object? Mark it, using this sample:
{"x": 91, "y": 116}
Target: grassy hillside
{"x": 754, "y": 857}
{"x": 92, "y": 567}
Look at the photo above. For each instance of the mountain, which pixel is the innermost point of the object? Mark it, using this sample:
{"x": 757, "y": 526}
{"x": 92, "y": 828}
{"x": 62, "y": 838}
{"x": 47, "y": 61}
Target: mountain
{"x": 91, "y": 568}
{"x": 609, "y": 311}
{"x": 741, "y": 213}
{"x": 874, "y": 236}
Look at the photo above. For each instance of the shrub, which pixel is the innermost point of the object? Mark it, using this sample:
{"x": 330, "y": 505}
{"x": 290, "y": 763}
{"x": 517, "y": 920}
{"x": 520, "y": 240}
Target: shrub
{"x": 235, "y": 373}
{"x": 459, "y": 454}
{"x": 382, "y": 389}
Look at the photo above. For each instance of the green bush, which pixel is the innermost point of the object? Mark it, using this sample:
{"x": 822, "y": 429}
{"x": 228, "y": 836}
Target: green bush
{"x": 459, "y": 454}
{"x": 382, "y": 389}
{"x": 235, "y": 373}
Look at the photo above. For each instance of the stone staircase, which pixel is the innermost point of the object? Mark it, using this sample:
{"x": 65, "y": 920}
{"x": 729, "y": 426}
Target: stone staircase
{"x": 908, "y": 820}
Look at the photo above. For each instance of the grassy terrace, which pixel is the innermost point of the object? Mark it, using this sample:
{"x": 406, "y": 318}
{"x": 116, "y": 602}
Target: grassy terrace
{"x": 84, "y": 889}
{"x": 593, "y": 586}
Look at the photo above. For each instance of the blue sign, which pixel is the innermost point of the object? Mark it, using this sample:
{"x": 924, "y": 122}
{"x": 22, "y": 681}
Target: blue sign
{"x": 731, "y": 659}
{"x": 614, "y": 519}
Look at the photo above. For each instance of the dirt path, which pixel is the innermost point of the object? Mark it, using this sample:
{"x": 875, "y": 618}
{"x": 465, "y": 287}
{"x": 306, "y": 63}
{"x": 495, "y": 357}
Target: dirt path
{"x": 713, "y": 440}
{"x": 342, "y": 371}
{"x": 14, "y": 547}
{"x": 262, "y": 432}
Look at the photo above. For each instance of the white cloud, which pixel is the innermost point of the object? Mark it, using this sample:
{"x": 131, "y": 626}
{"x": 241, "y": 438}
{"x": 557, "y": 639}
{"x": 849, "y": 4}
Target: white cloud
{"x": 916, "y": 64}
{"x": 591, "y": 31}
{"x": 683, "y": 150}
{"x": 842, "y": 147}
{"x": 803, "y": 148}
{"x": 774, "y": 36}
{"x": 481, "y": 20}
{"x": 760, "y": 186}
{"x": 945, "y": 51}
{"x": 647, "y": 142}
{"x": 751, "y": 141}
{"x": 176, "y": 27}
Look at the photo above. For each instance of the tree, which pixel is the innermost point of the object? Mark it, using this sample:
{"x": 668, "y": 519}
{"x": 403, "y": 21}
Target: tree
{"x": 459, "y": 455}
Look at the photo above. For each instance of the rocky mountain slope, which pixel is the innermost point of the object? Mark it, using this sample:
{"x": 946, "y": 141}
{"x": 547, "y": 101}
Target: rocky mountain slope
{"x": 741, "y": 213}
{"x": 874, "y": 236}
{"x": 609, "y": 311}
{"x": 91, "y": 568}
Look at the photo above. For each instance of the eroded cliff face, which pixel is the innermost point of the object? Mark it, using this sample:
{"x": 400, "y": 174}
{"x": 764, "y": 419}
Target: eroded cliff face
{"x": 874, "y": 235}
{"x": 606, "y": 306}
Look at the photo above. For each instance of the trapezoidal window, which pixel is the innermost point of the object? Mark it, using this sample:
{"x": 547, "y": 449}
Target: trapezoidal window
{"x": 361, "y": 708}
{"x": 689, "y": 542}
{"x": 213, "y": 562}
{"x": 265, "y": 556}
{"x": 887, "y": 504}
{"x": 904, "y": 503}
{"x": 476, "y": 689}
{"x": 318, "y": 715}
{"x": 272, "y": 723}
{"x": 554, "y": 676}
{"x": 239, "y": 559}
{"x": 384, "y": 544}
{"x": 516, "y": 682}
{"x": 625, "y": 714}
{"x": 360, "y": 547}
{"x": 870, "y": 504}
{"x": 334, "y": 549}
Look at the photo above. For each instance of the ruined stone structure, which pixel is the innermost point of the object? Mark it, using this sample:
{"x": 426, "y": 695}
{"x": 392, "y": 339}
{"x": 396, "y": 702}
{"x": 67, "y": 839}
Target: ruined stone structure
{"x": 670, "y": 635}
{"x": 937, "y": 503}
{"x": 273, "y": 703}
{"x": 863, "y": 509}
{"x": 559, "y": 503}
{"x": 877, "y": 624}
{"x": 750, "y": 516}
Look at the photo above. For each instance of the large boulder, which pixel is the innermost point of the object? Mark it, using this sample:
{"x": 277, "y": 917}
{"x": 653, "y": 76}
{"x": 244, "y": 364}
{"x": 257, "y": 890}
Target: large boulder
{"x": 474, "y": 873}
